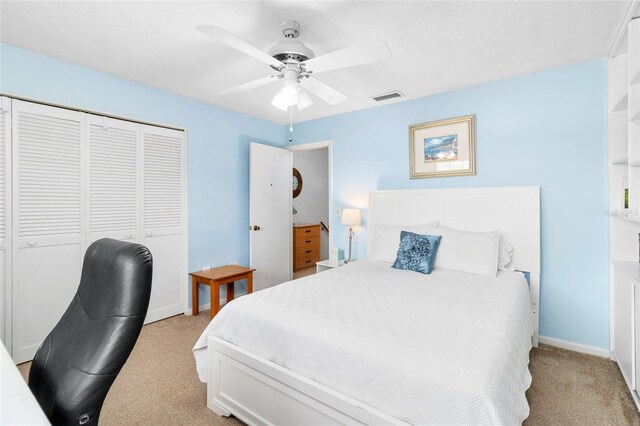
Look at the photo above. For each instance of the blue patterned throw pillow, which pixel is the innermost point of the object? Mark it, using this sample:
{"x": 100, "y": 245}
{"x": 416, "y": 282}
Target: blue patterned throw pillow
{"x": 417, "y": 252}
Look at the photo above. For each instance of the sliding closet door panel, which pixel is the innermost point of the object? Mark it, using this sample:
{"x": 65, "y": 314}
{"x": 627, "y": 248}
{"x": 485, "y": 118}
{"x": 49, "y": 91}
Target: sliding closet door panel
{"x": 163, "y": 180}
{"x": 166, "y": 290}
{"x": 114, "y": 179}
{"x": 48, "y": 231}
{"x": 163, "y": 217}
{"x": 5, "y": 221}
{"x": 5, "y": 302}
{"x": 5, "y": 156}
{"x": 49, "y": 277}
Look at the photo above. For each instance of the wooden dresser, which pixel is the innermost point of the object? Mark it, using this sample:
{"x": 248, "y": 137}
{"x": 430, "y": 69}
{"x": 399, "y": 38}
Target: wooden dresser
{"x": 306, "y": 245}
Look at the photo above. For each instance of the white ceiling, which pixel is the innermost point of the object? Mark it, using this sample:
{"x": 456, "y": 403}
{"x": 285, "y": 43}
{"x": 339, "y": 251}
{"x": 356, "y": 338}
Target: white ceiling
{"x": 435, "y": 46}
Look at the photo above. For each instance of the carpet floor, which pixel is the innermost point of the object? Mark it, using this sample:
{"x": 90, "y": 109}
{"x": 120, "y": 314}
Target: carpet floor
{"x": 159, "y": 384}
{"x": 304, "y": 272}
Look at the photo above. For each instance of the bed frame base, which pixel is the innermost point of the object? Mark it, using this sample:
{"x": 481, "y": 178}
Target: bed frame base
{"x": 260, "y": 392}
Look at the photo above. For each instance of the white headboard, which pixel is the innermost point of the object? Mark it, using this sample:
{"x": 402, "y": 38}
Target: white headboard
{"x": 513, "y": 211}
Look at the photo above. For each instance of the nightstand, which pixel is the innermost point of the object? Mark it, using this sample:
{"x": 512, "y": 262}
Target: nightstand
{"x": 216, "y": 277}
{"x": 325, "y": 265}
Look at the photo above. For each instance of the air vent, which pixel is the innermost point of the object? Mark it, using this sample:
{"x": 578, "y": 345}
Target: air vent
{"x": 387, "y": 96}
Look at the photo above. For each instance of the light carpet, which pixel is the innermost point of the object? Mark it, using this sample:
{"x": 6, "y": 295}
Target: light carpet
{"x": 304, "y": 272}
{"x": 159, "y": 384}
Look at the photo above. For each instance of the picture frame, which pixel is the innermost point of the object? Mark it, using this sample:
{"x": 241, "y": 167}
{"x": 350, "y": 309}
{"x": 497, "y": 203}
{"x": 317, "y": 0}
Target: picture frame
{"x": 443, "y": 148}
{"x": 296, "y": 183}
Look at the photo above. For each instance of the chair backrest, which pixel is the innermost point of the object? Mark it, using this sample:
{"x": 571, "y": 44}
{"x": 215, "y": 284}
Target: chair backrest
{"x": 78, "y": 361}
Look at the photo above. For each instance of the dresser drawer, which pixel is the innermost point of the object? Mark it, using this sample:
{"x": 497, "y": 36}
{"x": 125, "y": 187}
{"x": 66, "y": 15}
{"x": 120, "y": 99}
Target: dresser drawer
{"x": 306, "y": 261}
{"x": 307, "y": 241}
{"x": 307, "y": 231}
{"x": 310, "y": 250}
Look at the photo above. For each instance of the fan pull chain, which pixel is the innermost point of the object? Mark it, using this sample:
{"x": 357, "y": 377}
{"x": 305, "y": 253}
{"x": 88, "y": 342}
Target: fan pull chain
{"x": 291, "y": 124}
{"x": 291, "y": 119}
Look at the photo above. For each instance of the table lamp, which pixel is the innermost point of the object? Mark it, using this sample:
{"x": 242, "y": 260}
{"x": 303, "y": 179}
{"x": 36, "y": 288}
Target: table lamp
{"x": 350, "y": 217}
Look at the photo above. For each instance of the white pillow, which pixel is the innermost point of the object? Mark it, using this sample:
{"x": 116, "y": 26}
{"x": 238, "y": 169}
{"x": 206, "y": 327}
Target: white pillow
{"x": 466, "y": 251}
{"x": 386, "y": 240}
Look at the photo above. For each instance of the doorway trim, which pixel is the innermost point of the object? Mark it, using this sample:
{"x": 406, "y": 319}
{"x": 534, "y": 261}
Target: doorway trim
{"x": 317, "y": 145}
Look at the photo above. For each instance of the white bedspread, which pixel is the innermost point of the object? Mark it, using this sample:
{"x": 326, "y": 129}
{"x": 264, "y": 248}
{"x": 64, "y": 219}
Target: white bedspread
{"x": 445, "y": 348}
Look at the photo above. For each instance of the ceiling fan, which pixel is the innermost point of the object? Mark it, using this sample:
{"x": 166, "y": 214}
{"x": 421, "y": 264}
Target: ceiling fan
{"x": 294, "y": 64}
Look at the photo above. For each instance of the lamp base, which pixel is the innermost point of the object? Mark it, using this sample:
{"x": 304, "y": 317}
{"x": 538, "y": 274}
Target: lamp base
{"x": 350, "y": 237}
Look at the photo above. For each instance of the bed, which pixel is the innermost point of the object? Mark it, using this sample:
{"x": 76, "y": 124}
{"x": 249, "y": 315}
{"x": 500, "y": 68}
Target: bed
{"x": 369, "y": 344}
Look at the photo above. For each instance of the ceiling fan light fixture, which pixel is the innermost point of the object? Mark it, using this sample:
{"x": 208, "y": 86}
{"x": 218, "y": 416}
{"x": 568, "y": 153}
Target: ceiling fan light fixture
{"x": 286, "y": 97}
{"x": 279, "y": 103}
{"x": 304, "y": 100}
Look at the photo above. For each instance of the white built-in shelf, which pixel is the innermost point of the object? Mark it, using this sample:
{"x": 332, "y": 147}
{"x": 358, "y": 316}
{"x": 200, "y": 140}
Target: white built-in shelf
{"x": 622, "y": 160}
{"x": 634, "y": 55}
{"x": 619, "y": 215}
{"x": 630, "y": 268}
{"x": 624, "y": 188}
{"x": 618, "y": 83}
{"x": 622, "y": 104}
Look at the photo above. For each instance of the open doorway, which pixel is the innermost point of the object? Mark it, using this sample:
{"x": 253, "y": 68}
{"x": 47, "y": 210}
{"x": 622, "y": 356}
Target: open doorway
{"x": 310, "y": 215}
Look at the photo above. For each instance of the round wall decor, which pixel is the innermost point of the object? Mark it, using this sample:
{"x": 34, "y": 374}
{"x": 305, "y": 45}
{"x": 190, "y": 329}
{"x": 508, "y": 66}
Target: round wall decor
{"x": 297, "y": 182}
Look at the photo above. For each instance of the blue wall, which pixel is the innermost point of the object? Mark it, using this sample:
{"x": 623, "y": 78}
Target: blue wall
{"x": 218, "y": 143}
{"x": 547, "y": 129}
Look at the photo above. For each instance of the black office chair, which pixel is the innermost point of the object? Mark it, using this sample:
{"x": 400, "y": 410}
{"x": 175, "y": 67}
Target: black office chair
{"x": 77, "y": 363}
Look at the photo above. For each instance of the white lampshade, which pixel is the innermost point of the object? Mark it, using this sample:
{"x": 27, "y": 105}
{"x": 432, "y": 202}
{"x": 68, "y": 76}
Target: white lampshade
{"x": 351, "y": 217}
{"x": 286, "y": 97}
{"x": 304, "y": 100}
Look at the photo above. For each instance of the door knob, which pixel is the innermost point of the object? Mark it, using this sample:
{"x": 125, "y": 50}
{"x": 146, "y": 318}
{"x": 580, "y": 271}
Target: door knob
{"x": 149, "y": 234}
{"x": 256, "y": 228}
{"x": 32, "y": 243}
{"x": 129, "y": 236}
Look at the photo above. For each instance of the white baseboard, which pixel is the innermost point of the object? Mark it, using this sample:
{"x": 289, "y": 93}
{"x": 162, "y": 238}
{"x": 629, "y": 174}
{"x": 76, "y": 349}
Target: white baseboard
{"x": 576, "y": 347}
{"x": 201, "y": 307}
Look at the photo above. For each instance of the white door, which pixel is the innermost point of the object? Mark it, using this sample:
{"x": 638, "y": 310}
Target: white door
{"x": 113, "y": 179}
{"x": 5, "y": 221}
{"x": 164, "y": 200}
{"x": 270, "y": 215}
{"x": 48, "y": 231}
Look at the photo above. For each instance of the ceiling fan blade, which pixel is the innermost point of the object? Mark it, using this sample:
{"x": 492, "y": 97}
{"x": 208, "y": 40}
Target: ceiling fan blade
{"x": 230, "y": 40}
{"x": 323, "y": 91}
{"x": 363, "y": 53}
{"x": 235, "y": 90}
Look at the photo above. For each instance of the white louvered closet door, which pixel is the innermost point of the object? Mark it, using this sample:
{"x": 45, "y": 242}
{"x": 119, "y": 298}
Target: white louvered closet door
{"x": 48, "y": 216}
{"x": 163, "y": 217}
{"x": 114, "y": 179}
{"x": 5, "y": 221}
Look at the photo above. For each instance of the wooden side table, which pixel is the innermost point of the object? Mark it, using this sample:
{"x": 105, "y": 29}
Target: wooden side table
{"x": 216, "y": 277}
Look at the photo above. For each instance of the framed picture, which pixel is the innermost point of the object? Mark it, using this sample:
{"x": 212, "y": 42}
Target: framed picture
{"x": 443, "y": 148}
